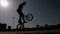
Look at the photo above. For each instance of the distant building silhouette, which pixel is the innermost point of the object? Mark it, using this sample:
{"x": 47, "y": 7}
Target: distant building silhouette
{"x": 3, "y": 26}
{"x": 9, "y": 27}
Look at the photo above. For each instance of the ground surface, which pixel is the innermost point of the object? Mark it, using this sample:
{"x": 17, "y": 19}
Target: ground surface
{"x": 31, "y": 32}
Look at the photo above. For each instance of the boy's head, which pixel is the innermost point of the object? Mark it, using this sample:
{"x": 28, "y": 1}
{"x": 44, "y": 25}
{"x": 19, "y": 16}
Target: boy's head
{"x": 24, "y": 3}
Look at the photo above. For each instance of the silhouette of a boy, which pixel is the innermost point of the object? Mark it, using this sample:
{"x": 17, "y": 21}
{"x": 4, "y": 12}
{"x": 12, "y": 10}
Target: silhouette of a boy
{"x": 19, "y": 10}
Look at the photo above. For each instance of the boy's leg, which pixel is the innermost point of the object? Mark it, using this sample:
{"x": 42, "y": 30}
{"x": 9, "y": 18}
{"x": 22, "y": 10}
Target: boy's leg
{"x": 20, "y": 20}
{"x": 24, "y": 21}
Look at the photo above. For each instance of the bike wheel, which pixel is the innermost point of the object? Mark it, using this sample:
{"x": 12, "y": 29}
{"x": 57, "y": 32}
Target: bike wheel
{"x": 18, "y": 26}
{"x": 29, "y": 17}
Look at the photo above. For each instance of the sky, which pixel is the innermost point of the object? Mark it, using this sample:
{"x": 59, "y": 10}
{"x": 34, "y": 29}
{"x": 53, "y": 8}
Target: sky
{"x": 43, "y": 11}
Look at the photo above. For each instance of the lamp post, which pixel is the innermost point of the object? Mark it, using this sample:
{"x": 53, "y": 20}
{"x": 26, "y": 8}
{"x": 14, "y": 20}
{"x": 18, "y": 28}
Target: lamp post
{"x": 0, "y": 11}
{"x": 13, "y": 21}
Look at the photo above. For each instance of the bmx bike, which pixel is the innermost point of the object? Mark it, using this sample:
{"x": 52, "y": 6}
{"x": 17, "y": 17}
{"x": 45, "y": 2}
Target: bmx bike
{"x": 28, "y": 17}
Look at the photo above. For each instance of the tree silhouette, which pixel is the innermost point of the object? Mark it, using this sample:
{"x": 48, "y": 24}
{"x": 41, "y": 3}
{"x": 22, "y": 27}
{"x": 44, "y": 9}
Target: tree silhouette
{"x": 38, "y": 27}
